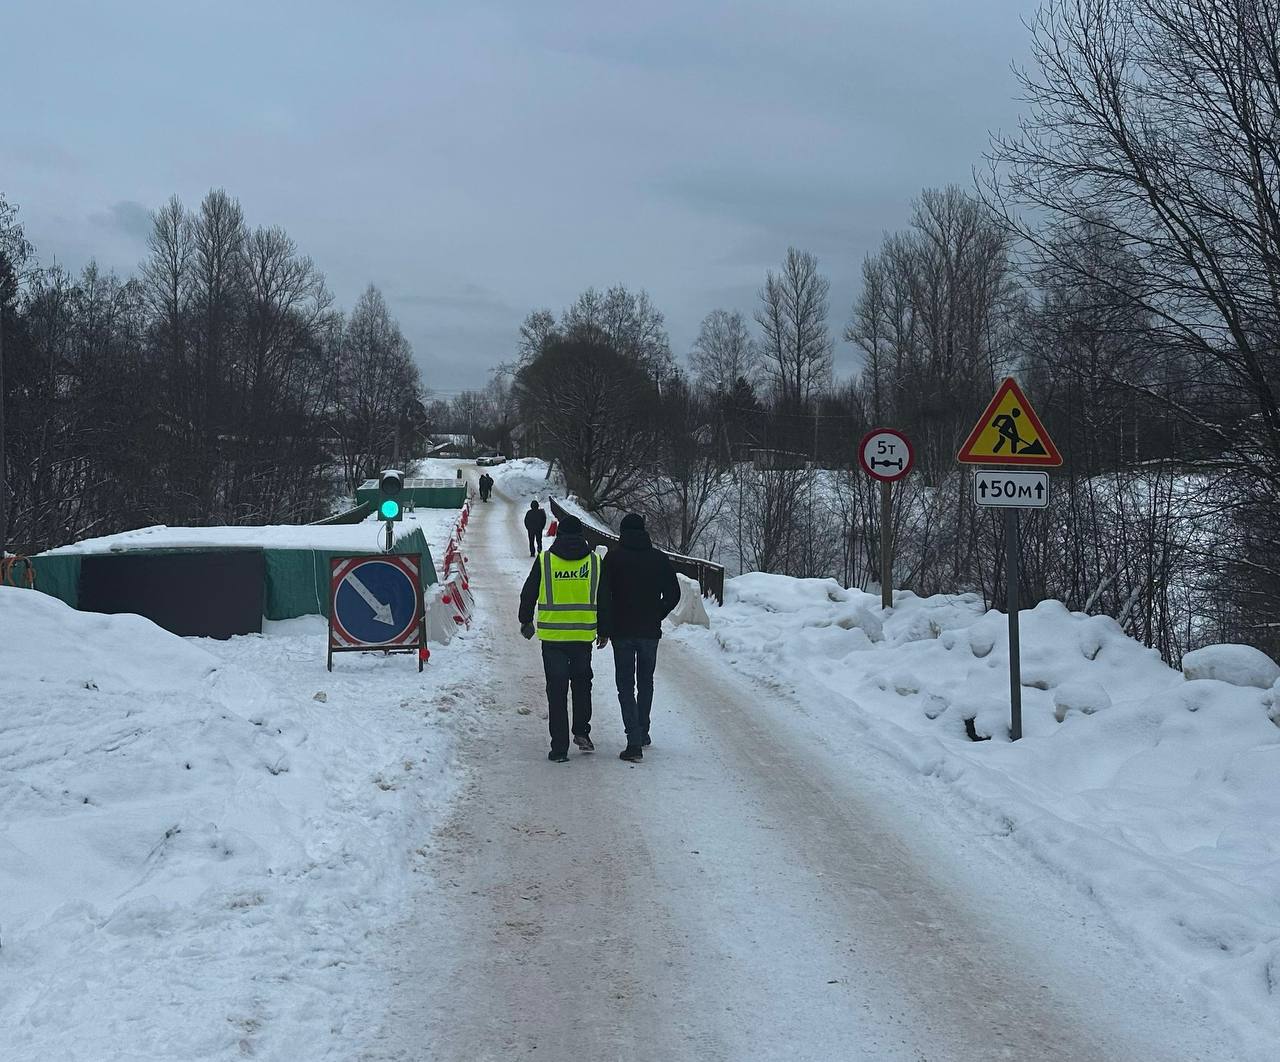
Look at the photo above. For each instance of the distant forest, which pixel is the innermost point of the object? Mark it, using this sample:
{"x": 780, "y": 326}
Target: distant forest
{"x": 219, "y": 385}
{"x": 1119, "y": 253}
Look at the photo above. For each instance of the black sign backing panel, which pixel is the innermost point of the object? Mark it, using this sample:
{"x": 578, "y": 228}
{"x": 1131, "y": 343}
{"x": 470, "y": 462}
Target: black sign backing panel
{"x": 196, "y": 594}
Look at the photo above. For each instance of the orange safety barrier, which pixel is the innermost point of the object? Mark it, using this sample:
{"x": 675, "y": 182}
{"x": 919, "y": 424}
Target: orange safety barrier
{"x": 8, "y": 566}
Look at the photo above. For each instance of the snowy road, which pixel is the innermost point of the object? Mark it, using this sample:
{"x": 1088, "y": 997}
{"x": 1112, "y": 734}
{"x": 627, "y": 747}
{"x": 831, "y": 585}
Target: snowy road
{"x": 751, "y": 891}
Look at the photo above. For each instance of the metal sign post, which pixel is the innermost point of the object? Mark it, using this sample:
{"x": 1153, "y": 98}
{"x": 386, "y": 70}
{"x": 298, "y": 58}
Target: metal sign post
{"x": 886, "y": 544}
{"x": 1013, "y": 605}
{"x": 886, "y": 455}
{"x": 1010, "y": 433}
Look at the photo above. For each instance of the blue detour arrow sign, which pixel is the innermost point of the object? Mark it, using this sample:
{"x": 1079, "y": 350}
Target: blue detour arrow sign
{"x": 375, "y": 602}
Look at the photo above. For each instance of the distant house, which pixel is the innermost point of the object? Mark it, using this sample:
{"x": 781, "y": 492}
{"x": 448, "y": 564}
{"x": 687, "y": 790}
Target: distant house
{"x": 444, "y": 444}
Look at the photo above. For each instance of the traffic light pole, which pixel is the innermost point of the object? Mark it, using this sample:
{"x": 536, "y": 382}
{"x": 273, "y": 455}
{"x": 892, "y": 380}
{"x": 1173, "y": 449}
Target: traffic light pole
{"x": 391, "y": 534}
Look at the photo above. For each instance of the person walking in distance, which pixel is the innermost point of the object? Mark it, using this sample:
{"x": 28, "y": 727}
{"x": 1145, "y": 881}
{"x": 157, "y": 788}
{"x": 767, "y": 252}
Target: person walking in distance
{"x": 566, "y": 590}
{"x": 534, "y": 521}
{"x": 642, "y": 589}
{"x": 486, "y": 486}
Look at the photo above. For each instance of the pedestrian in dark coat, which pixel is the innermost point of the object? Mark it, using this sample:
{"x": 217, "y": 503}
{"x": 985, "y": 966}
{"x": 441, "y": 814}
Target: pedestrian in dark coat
{"x": 486, "y": 486}
{"x": 534, "y": 521}
{"x": 643, "y": 590}
{"x": 566, "y": 631}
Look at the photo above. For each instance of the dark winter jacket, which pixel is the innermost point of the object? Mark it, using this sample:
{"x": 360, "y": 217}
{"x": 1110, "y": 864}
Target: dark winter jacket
{"x": 642, "y": 587}
{"x": 571, "y": 546}
{"x": 535, "y": 520}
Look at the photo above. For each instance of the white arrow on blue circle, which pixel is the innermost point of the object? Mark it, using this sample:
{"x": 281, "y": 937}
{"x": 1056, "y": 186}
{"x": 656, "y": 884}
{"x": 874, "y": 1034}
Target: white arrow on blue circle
{"x": 381, "y": 612}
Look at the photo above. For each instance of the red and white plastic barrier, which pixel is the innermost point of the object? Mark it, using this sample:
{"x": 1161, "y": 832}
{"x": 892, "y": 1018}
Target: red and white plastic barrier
{"x": 450, "y": 604}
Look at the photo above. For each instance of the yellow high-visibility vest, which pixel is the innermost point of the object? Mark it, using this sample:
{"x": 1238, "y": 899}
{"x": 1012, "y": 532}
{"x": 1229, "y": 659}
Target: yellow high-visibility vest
{"x": 567, "y": 598}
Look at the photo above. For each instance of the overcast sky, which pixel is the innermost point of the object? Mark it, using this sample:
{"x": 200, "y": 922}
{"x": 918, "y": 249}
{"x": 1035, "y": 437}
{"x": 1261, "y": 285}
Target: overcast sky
{"x": 481, "y": 158}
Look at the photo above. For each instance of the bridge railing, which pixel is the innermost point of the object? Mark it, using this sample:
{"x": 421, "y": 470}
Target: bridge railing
{"x": 709, "y": 576}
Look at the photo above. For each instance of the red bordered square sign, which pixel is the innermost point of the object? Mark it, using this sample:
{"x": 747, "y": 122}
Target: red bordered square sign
{"x": 376, "y": 604}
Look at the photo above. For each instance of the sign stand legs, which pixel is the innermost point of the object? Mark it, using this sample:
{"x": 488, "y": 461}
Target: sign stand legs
{"x": 1013, "y": 605}
{"x": 886, "y": 544}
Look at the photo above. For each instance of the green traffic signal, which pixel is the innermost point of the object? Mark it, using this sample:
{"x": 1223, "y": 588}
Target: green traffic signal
{"x": 389, "y": 509}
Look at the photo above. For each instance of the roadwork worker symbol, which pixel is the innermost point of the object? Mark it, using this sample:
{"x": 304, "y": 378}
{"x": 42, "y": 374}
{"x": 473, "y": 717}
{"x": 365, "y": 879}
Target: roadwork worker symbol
{"x": 1006, "y": 424}
{"x": 1009, "y": 433}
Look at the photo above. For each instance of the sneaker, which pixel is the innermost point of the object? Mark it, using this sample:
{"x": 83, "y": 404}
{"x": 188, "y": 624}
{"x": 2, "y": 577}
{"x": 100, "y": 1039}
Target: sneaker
{"x": 558, "y": 757}
{"x": 583, "y": 742}
{"x": 631, "y": 754}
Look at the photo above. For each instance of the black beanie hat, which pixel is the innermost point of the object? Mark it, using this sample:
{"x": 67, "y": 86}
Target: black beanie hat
{"x": 570, "y": 525}
{"x": 632, "y": 522}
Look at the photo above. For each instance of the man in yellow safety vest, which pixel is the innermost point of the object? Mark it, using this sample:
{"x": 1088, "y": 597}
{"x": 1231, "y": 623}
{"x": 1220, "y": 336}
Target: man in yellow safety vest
{"x": 565, "y": 589}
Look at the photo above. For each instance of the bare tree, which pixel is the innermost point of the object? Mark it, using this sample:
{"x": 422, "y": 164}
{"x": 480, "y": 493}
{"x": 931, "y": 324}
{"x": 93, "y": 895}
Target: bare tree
{"x": 724, "y": 352}
{"x": 795, "y": 345}
{"x": 14, "y": 253}
{"x": 377, "y": 378}
{"x": 1157, "y": 119}
{"x": 626, "y": 321}
{"x": 535, "y": 330}
{"x": 592, "y": 407}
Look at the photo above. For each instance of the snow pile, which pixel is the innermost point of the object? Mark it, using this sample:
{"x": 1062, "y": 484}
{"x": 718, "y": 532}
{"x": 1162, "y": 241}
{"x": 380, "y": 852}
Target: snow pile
{"x": 1156, "y": 795}
{"x": 523, "y": 480}
{"x": 1240, "y": 665}
{"x": 197, "y": 838}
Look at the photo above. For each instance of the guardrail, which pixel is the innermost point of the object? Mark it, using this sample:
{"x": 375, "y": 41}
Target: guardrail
{"x": 710, "y": 577}
{"x": 351, "y": 516}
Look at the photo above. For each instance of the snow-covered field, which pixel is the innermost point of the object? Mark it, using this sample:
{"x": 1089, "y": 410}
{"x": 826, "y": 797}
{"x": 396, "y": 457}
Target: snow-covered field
{"x": 1156, "y": 795}
{"x": 199, "y": 840}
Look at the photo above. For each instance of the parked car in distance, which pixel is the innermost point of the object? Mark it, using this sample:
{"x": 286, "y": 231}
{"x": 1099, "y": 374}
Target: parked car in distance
{"x": 491, "y": 459}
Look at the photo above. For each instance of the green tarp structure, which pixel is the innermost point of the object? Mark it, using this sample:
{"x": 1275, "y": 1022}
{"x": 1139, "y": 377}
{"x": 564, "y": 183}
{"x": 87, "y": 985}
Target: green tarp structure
{"x": 419, "y": 493}
{"x": 59, "y": 576}
{"x": 297, "y": 580}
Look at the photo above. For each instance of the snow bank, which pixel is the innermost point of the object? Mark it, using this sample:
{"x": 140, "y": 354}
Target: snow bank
{"x": 1155, "y": 795}
{"x": 197, "y": 838}
{"x": 525, "y": 479}
{"x": 362, "y": 537}
{"x": 1240, "y": 665}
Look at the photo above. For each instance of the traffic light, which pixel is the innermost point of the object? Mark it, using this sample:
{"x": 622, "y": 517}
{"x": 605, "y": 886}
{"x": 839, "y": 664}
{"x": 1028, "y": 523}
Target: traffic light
{"x": 390, "y": 484}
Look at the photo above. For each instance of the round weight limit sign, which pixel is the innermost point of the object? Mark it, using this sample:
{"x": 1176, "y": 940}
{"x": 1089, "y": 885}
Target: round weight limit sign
{"x": 886, "y": 455}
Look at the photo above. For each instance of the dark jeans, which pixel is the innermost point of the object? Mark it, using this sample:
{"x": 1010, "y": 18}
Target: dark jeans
{"x": 567, "y": 664}
{"x": 633, "y": 662}
{"x": 534, "y": 536}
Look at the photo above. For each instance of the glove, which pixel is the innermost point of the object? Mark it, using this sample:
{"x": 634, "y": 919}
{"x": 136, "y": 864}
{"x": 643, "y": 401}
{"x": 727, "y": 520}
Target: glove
{"x": 528, "y": 630}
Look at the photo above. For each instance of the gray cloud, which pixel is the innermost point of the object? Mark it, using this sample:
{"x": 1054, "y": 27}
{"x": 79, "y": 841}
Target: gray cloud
{"x": 127, "y": 217}
{"x": 478, "y": 160}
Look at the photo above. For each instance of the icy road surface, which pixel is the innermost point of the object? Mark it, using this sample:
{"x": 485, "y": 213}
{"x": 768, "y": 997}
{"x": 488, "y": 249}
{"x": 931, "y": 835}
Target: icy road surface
{"x": 740, "y": 895}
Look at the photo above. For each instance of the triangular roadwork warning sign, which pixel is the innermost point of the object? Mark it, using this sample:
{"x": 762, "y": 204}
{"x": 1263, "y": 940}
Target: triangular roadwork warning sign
{"x": 1009, "y": 433}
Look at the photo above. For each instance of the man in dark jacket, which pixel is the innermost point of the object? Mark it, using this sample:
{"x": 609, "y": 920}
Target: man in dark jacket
{"x": 643, "y": 589}
{"x": 534, "y": 521}
{"x": 569, "y": 618}
{"x": 486, "y": 486}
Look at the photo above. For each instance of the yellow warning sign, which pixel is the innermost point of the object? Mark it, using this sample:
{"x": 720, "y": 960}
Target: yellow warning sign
{"x": 1009, "y": 433}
